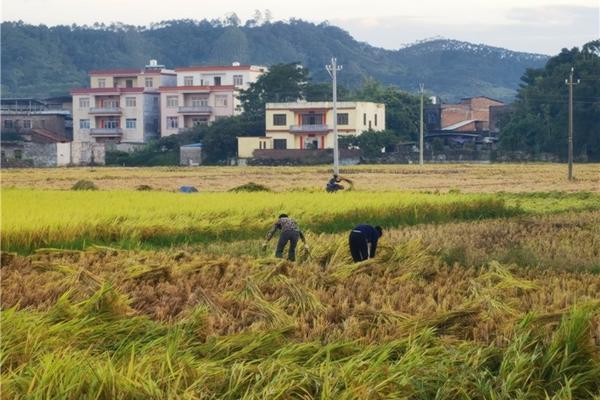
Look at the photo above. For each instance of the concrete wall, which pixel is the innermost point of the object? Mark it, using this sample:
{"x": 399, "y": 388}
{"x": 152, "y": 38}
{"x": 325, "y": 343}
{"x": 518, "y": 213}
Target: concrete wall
{"x": 63, "y": 154}
{"x": 190, "y": 156}
{"x": 203, "y": 76}
{"x": 87, "y": 153}
{"x": 247, "y": 145}
{"x": 23, "y": 154}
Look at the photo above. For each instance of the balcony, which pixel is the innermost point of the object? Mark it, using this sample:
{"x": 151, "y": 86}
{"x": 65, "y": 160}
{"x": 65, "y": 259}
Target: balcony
{"x": 106, "y": 110}
{"x": 195, "y": 110}
{"x": 106, "y": 132}
{"x": 310, "y": 128}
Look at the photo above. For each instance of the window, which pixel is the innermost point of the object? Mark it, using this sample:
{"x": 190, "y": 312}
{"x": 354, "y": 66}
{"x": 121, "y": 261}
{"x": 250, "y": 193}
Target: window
{"x": 84, "y": 102}
{"x": 342, "y": 119}
{"x": 130, "y": 101}
{"x": 8, "y": 123}
{"x": 188, "y": 81}
{"x": 172, "y": 101}
{"x": 199, "y": 101}
{"x": 110, "y": 103}
{"x": 238, "y": 80}
{"x": 84, "y": 124}
{"x": 279, "y": 119}
{"x": 129, "y": 83}
{"x": 375, "y": 119}
{"x": 199, "y": 121}
{"x": 155, "y": 101}
{"x": 280, "y": 144}
{"x": 111, "y": 124}
{"x": 172, "y": 122}
{"x": 27, "y": 124}
{"x": 217, "y": 81}
{"x": 364, "y": 118}
{"x": 18, "y": 154}
{"x": 312, "y": 119}
{"x": 149, "y": 82}
{"x": 220, "y": 101}
{"x": 101, "y": 82}
{"x": 130, "y": 123}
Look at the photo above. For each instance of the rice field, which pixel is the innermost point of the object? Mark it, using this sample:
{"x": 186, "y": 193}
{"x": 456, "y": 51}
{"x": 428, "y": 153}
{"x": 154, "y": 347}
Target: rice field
{"x": 121, "y": 294}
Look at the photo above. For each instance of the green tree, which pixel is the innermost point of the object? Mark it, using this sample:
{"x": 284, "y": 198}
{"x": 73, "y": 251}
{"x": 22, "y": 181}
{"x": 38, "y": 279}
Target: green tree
{"x": 540, "y": 117}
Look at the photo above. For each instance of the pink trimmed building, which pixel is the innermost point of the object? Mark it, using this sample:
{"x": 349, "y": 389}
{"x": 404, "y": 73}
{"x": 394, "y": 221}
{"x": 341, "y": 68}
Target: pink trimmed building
{"x": 121, "y": 105}
{"x": 204, "y": 94}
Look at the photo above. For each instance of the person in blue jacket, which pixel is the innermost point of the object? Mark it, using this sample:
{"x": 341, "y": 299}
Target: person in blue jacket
{"x": 361, "y": 238}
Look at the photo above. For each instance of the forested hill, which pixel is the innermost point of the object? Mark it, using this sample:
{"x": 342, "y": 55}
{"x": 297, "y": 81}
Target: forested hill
{"x": 40, "y": 60}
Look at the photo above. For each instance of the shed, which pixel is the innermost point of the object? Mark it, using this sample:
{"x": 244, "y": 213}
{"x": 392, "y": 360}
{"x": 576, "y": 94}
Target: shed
{"x": 190, "y": 154}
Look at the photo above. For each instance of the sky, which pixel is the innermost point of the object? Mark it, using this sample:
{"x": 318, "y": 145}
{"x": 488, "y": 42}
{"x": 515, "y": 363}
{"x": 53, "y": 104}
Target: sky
{"x": 539, "y": 26}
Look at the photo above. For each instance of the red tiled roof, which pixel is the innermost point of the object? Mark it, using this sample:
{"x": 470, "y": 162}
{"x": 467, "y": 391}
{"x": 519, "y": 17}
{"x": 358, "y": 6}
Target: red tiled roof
{"x": 106, "y": 90}
{"x": 221, "y": 88}
{"x": 215, "y": 68}
{"x": 49, "y": 135}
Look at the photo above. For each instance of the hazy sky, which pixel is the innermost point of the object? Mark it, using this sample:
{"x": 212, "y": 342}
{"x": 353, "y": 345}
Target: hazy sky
{"x": 543, "y": 26}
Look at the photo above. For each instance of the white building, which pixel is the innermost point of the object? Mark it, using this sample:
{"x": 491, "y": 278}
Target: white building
{"x": 121, "y": 105}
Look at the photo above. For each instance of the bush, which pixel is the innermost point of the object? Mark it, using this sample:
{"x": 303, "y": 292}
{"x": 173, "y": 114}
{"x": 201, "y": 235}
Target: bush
{"x": 143, "y": 188}
{"x": 84, "y": 185}
{"x": 250, "y": 187}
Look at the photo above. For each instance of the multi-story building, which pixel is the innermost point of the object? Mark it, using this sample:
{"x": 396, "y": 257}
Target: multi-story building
{"x": 121, "y": 105}
{"x": 469, "y": 115}
{"x": 309, "y": 125}
{"x": 204, "y": 94}
{"x": 32, "y": 116}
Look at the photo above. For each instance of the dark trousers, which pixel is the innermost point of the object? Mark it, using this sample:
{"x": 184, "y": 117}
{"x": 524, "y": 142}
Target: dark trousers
{"x": 359, "y": 247}
{"x": 285, "y": 237}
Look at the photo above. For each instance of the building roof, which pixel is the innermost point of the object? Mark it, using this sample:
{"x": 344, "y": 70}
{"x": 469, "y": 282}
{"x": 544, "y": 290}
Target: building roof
{"x": 220, "y": 88}
{"x": 49, "y": 135}
{"x": 307, "y": 105}
{"x": 132, "y": 72}
{"x": 193, "y": 145}
{"x": 480, "y": 97}
{"x": 458, "y": 125}
{"x": 22, "y": 100}
{"x": 222, "y": 68}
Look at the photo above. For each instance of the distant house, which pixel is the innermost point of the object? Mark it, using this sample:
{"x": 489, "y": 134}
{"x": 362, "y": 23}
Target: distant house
{"x": 26, "y": 115}
{"x": 121, "y": 106}
{"x": 190, "y": 154}
{"x": 204, "y": 94}
{"x": 309, "y": 125}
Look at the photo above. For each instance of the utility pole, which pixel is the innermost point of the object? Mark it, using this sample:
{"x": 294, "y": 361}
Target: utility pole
{"x": 333, "y": 68}
{"x": 422, "y": 88}
{"x": 570, "y": 83}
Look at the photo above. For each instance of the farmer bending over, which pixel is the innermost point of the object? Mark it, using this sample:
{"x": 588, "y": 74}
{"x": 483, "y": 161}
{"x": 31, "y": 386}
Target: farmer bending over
{"x": 360, "y": 238}
{"x": 290, "y": 232}
{"x": 334, "y": 183}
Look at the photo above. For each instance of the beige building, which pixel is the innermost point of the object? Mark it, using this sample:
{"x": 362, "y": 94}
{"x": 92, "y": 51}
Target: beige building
{"x": 204, "y": 94}
{"x": 121, "y": 105}
{"x": 309, "y": 125}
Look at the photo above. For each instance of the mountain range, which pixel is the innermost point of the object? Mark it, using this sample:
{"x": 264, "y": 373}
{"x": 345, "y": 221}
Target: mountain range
{"x": 42, "y": 61}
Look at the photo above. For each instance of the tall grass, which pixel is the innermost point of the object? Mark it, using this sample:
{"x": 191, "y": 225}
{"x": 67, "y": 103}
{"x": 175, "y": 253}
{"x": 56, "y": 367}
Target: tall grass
{"x": 36, "y": 219}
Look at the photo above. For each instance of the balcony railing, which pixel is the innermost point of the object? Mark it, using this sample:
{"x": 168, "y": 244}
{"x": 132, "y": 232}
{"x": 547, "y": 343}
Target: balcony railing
{"x": 195, "y": 110}
{"x": 309, "y": 128}
{"x": 106, "y": 110}
{"x": 106, "y": 132}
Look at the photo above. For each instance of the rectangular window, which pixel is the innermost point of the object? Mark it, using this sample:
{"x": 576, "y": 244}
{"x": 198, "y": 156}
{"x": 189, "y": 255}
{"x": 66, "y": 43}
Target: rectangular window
{"x": 172, "y": 101}
{"x": 199, "y": 121}
{"x": 280, "y": 144}
{"x": 111, "y": 123}
{"x": 375, "y": 120}
{"x": 27, "y": 123}
{"x": 130, "y": 101}
{"x": 84, "y": 124}
{"x": 364, "y": 118}
{"x": 238, "y": 80}
{"x": 342, "y": 119}
{"x": 188, "y": 81}
{"x": 149, "y": 82}
{"x": 84, "y": 102}
{"x": 101, "y": 82}
{"x": 172, "y": 122}
{"x": 130, "y": 123}
{"x": 110, "y": 103}
{"x": 217, "y": 81}
{"x": 279, "y": 119}
{"x": 128, "y": 83}
{"x": 18, "y": 154}
{"x": 8, "y": 123}
{"x": 220, "y": 101}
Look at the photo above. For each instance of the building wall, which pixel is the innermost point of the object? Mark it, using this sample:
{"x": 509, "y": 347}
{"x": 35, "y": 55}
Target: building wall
{"x": 247, "y": 145}
{"x": 206, "y": 76}
{"x": 63, "y": 154}
{"x": 184, "y": 121}
{"x": 86, "y": 153}
{"x": 190, "y": 155}
{"x": 476, "y": 108}
{"x": 52, "y": 122}
{"x": 29, "y": 154}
